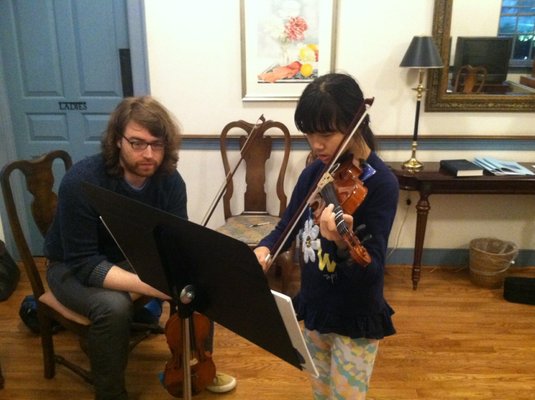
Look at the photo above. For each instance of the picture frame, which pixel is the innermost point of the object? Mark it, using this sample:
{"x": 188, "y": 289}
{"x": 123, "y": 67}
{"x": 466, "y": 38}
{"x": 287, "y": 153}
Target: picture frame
{"x": 285, "y": 44}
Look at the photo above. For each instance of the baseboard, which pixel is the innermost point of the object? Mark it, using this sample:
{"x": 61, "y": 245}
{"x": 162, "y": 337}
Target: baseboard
{"x": 451, "y": 257}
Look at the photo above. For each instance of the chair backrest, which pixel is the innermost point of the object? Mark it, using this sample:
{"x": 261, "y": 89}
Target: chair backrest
{"x": 257, "y": 146}
{"x": 470, "y": 79}
{"x": 39, "y": 177}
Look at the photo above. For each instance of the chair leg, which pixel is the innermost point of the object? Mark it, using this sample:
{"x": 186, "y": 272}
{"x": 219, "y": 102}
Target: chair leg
{"x": 47, "y": 343}
{"x": 83, "y": 373}
{"x": 287, "y": 266}
{"x": 48, "y": 352}
{"x": 137, "y": 337}
{"x": 1, "y": 378}
{"x": 290, "y": 274}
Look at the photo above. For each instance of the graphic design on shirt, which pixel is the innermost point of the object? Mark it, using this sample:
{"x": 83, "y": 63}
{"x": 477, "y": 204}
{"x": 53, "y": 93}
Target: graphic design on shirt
{"x": 324, "y": 261}
{"x": 311, "y": 244}
{"x": 310, "y": 241}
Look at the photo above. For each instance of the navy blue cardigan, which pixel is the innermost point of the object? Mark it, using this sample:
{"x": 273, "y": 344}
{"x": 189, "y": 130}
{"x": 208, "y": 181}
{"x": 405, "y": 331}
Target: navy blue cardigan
{"x": 338, "y": 295}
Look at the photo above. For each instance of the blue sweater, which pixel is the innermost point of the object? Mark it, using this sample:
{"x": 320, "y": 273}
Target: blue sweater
{"x": 78, "y": 238}
{"x": 338, "y": 295}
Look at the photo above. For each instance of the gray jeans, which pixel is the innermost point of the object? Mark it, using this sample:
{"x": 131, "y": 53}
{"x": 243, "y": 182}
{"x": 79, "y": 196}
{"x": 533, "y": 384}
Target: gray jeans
{"x": 110, "y": 313}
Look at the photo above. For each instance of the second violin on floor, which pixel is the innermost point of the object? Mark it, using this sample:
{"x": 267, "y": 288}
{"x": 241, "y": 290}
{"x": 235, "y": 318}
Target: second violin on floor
{"x": 200, "y": 362}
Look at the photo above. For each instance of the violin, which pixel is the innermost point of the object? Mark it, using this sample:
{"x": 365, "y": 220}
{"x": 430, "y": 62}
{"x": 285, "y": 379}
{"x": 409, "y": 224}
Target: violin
{"x": 200, "y": 361}
{"x": 344, "y": 189}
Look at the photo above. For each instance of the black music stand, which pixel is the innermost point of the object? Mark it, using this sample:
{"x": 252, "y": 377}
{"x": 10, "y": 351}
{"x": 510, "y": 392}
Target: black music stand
{"x": 202, "y": 270}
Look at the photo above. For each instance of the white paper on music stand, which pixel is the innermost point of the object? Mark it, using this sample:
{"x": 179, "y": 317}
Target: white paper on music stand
{"x": 284, "y": 304}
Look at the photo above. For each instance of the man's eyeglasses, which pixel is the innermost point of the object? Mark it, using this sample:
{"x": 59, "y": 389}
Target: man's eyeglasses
{"x": 140, "y": 145}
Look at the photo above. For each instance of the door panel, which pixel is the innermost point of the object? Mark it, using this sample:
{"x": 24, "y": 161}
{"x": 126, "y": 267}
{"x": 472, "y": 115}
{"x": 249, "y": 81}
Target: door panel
{"x": 98, "y": 78}
{"x": 37, "y": 50}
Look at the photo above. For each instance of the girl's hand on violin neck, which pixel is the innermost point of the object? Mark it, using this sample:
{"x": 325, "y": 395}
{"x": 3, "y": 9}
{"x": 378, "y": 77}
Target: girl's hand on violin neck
{"x": 261, "y": 254}
{"x": 328, "y": 226}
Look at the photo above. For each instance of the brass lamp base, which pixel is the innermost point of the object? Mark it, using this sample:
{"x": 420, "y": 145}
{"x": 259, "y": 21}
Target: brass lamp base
{"x": 413, "y": 164}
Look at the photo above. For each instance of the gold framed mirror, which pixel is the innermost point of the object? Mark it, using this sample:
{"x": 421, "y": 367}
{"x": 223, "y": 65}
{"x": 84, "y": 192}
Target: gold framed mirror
{"x": 441, "y": 98}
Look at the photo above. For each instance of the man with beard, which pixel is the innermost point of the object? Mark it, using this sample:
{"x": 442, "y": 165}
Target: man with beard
{"x": 87, "y": 271}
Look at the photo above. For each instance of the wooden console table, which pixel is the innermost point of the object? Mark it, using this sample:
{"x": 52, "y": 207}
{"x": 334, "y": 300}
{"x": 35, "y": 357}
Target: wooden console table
{"x": 433, "y": 181}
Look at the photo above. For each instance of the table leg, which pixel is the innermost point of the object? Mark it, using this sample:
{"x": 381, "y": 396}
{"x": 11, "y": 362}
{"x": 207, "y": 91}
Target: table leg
{"x": 1, "y": 378}
{"x": 422, "y": 210}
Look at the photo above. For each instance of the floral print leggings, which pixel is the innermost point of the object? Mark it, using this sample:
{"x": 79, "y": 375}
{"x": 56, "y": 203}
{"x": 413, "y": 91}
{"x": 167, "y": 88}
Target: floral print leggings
{"x": 344, "y": 365}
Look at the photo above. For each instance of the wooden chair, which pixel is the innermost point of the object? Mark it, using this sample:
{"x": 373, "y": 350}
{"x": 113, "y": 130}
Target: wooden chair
{"x": 529, "y": 80}
{"x": 39, "y": 178}
{"x": 254, "y": 221}
{"x": 469, "y": 79}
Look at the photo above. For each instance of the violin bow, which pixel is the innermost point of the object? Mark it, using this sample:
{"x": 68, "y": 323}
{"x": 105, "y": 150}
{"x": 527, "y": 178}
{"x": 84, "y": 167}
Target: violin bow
{"x": 353, "y": 127}
{"x": 251, "y": 136}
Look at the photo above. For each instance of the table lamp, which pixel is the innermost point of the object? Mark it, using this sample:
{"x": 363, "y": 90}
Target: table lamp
{"x": 422, "y": 54}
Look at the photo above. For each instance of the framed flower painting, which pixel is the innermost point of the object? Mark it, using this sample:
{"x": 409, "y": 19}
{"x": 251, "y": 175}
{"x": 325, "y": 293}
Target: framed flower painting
{"x": 285, "y": 44}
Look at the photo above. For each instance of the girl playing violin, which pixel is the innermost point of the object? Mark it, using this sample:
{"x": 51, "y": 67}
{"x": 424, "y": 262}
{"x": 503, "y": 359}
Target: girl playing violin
{"x": 341, "y": 301}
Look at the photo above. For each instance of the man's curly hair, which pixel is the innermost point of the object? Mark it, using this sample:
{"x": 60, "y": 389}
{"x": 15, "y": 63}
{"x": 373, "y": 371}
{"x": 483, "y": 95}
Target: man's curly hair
{"x": 153, "y": 116}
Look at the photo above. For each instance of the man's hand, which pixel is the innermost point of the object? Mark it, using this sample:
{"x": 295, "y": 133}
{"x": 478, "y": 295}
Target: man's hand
{"x": 120, "y": 279}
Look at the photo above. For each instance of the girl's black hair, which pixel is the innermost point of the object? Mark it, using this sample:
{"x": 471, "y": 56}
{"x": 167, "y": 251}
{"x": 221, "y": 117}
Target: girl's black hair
{"x": 329, "y": 104}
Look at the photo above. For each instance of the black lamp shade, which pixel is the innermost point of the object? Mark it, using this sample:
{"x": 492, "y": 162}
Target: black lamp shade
{"x": 422, "y": 53}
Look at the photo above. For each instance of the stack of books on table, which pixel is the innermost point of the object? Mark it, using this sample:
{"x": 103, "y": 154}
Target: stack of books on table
{"x": 461, "y": 167}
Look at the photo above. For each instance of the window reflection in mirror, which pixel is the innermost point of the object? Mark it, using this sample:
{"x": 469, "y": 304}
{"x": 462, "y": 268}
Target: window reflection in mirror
{"x": 517, "y": 21}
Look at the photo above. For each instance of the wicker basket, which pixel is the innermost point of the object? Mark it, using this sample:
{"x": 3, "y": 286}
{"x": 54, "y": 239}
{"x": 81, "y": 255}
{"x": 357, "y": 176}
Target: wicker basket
{"x": 490, "y": 259}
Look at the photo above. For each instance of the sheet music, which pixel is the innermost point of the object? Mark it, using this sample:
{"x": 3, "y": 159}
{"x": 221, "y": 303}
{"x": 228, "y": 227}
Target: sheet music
{"x": 284, "y": 304}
